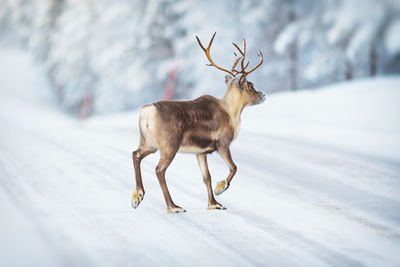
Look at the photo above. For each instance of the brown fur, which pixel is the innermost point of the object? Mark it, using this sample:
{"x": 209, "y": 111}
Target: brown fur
{"x": 199, "y": 126}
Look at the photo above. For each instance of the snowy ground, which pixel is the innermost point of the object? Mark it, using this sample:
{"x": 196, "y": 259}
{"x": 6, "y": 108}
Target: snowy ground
{"x": 318, "y": 183}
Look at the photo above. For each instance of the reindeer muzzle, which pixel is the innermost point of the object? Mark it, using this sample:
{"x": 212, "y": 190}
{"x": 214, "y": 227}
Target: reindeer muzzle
{"x": 262, "y": 97}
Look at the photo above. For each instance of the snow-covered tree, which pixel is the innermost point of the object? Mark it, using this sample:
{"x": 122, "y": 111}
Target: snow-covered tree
{"x": 69, "y": 61}
{"x": 111, "y": 55}
{"x": 16, "y": 18}
{"x": 44, "y": 26}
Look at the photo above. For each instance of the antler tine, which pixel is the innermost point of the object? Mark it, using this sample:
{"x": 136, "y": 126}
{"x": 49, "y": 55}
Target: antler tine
{"x": 236, "y": 62}
{"x": 259, "y": 64}
{"x": 238, "y": 48}
{"x": 246, "y": 65}
{"x": 207, "y": 51}
{"x": 243, "y": 52}
{"x": 208, "y": 47}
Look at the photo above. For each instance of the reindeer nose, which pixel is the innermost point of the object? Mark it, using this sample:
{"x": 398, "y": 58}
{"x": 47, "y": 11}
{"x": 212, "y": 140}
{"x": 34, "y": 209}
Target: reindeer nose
{"x": 262, "y": 96}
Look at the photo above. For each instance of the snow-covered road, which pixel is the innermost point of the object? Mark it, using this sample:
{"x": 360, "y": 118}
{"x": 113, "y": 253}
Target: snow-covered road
{"x": 318, "y": 183}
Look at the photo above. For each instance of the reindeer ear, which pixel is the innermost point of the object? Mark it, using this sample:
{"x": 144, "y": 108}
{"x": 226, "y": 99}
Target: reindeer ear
{"x": 228, "y": 78}
{"x": 242, "y": 80}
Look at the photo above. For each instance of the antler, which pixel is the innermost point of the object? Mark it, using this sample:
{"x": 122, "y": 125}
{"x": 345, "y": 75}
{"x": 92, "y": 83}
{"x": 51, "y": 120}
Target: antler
{"x": 244, "y": 57}
{"x": 207, "y": 51}
{"x": 233, "y": 71}
{"x": 236, "y": 62}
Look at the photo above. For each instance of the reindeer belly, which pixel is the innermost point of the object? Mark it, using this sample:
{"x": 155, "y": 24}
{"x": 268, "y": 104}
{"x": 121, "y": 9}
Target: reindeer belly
{"x": 195, "y": 143}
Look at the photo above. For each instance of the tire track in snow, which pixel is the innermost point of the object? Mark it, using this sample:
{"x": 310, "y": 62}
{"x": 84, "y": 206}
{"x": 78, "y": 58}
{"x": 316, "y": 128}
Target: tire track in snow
{"x": 302, "y": 192}
{"x": 19, "y": 195}
{"x": 309, "y": 176}
{"x": 60, "y": 150}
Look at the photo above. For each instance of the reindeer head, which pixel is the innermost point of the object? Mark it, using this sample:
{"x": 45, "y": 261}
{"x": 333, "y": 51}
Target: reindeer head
{"x": 245, "y": 89}
{"x": 238, "y": 86}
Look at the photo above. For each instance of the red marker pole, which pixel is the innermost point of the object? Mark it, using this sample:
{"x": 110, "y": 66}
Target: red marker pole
{"x": 169, "y": 89}
{"x": 87, "y": 106}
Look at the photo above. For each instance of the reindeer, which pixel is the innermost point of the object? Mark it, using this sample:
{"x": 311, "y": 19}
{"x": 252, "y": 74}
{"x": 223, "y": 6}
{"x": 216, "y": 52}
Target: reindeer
{"x": 200, "y": 126}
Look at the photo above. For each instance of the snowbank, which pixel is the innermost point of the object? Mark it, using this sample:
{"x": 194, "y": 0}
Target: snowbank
{"x": 359, "y": 116}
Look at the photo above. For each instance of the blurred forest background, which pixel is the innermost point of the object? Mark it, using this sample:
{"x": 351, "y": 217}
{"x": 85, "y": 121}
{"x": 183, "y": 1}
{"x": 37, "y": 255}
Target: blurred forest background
{"x": 103, "y": 56}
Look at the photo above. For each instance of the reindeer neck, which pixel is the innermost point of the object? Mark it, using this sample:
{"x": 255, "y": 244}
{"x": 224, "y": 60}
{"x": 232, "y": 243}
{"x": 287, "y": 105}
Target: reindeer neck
{"x": 234, "y": 104}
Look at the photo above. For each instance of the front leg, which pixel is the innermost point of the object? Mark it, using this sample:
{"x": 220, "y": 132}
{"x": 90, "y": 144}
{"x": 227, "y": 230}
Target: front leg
{"x": 224, "y": 184}
{"x": 212, "y": 203}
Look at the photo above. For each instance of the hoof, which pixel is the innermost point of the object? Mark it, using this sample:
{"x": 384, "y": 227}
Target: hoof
{"x": 175, "y": 210}
{"x": 216, "y": 207}
{"x": 221, "y": 187}
{"x": 137, "y": 197}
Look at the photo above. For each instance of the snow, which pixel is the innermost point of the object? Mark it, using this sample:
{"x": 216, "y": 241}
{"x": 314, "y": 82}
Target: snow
{"x": 317, "y": 183}
{"x": 361, "y": 116}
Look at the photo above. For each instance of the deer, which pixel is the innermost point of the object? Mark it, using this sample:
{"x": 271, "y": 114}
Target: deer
{"x": 200, "y": 126}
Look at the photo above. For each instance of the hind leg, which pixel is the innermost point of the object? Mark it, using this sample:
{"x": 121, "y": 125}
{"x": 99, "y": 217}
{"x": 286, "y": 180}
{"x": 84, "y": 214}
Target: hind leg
{"x": 165, "y": 160}
{"x": 137, "y": 157}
